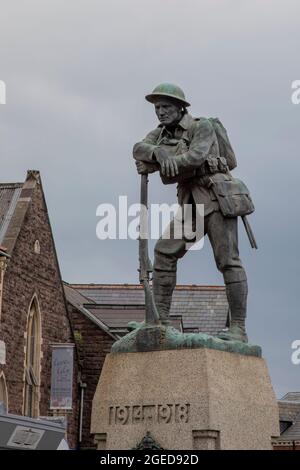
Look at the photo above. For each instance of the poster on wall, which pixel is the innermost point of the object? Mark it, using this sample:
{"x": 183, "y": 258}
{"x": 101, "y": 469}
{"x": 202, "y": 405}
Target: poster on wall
{"x": 62, "y": 376}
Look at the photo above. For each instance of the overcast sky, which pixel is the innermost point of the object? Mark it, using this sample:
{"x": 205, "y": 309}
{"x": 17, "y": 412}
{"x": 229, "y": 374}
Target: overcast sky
{"x": 76, "y": 74}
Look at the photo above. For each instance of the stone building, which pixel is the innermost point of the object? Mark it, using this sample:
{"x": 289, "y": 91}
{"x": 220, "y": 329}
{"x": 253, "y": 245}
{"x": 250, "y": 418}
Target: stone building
{"x": 33, "y": 317}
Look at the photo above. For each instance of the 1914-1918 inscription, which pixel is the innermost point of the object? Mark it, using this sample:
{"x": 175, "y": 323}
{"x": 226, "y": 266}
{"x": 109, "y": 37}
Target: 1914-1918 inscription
{"x": 156, "y": 414}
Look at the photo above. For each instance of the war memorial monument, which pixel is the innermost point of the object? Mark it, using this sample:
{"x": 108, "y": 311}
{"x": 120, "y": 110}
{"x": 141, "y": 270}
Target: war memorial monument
{"x": 161, "y": 388}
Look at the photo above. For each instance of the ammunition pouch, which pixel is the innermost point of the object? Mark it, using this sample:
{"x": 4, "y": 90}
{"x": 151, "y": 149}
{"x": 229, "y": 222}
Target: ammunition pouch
{"x": 233, "y": 197}
{"x": 212, "y": 165}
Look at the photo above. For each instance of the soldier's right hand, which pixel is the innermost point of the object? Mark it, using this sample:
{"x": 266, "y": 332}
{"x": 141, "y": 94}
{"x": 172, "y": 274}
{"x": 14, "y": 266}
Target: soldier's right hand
{"x": 143, "y": 168}
{"x": 167, "y": 164}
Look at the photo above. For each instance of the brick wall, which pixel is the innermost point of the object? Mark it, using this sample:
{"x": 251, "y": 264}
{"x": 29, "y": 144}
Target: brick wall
{"x": 29, "y": 273}
{"x": 93, "y": 345}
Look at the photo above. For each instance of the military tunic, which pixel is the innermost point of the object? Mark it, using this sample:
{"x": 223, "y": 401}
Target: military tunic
{"x": 193, "y": 145}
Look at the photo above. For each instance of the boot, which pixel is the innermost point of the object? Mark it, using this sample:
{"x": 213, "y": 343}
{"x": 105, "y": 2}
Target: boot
{"x": 163, "y": 286}
{"x": 237, "y": 300}
{"x": 234, "y": 333}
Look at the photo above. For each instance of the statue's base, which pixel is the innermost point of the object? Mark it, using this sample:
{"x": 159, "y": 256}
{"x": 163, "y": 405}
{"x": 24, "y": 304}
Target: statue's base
{"x": 186, "y": 400}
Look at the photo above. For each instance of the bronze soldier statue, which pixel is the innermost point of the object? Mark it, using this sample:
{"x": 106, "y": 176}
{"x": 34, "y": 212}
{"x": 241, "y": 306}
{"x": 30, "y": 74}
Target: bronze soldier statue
{"x": 196, "y": 154}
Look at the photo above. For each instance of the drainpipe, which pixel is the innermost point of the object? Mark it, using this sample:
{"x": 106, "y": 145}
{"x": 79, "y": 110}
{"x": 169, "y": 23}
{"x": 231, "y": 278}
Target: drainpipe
{"x": 82, "y": 386}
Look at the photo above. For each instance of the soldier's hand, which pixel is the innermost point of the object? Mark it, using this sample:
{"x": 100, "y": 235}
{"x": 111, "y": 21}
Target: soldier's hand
{"x": 143, "y": 168}
{"x": 167, "y": 164}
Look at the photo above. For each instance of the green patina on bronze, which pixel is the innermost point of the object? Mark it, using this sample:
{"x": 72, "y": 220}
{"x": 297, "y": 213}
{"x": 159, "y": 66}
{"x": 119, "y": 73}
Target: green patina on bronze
{"x": 195, "y": 153}
{"x": 157, "y": 338}
{"x": 168, "y": 90}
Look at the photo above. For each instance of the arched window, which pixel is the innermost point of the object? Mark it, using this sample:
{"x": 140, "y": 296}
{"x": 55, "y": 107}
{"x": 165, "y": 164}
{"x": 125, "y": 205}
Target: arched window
{"x": 3, "y": 392}
{"x": 32, "y": 361}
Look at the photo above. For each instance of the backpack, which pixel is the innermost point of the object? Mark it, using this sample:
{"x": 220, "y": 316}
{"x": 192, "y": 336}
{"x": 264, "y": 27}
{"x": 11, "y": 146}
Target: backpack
{"x": 226, "y": 151}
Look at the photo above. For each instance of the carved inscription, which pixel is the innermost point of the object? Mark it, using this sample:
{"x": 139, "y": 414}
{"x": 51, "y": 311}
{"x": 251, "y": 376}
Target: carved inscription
{"x": 158, "y": 414}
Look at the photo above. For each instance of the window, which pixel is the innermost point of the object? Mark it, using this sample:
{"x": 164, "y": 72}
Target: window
{"x": 37, "y": 247}
{"x": 3, "y": 392}
{"x": 3, "y": 264}
{"x": 32, "y": 361}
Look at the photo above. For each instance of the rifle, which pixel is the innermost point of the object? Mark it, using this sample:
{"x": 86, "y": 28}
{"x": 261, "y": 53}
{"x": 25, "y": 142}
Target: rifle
{"x": 152, "y": 315}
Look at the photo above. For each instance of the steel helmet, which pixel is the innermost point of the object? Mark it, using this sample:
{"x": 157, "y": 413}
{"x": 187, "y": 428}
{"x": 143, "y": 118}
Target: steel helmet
{"x": 167, "y": 90}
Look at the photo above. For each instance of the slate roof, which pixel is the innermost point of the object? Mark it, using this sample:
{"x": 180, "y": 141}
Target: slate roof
{"x": 9, "y": 195}
{"x": 117, "y": 318}
{"x": 199, "y": 308}
{"x": 15, "y": 199}
{"x": 75, "y": 297}
{"x": 78, "y": 301}
{"x": 288, "y": 410}
{"x": 289, "y": 416}
{"x": 291, "y": 396}
{"x": 292, "y": 433}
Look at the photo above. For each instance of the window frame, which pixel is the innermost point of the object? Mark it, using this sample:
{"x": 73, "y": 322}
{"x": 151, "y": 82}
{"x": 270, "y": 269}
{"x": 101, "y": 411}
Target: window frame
{"x": 32, "y": 365}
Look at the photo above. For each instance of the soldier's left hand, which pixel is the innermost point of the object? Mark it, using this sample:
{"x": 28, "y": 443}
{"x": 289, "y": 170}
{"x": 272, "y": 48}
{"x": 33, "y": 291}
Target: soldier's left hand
{"x": 167, "y": 164}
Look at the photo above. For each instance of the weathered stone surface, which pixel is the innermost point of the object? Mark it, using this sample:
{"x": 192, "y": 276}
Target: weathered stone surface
{"x": 155, "y": 338}
{"x": 187, "y": 399}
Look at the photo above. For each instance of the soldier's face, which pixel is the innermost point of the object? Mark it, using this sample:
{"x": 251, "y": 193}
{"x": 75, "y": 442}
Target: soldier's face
{"x": 167, "y": 112}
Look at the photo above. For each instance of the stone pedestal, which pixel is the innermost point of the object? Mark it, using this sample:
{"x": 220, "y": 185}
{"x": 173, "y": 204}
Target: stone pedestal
{"x": 184, "y": 400}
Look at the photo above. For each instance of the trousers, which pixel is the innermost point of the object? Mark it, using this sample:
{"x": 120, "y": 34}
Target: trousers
{"x": 223, "y": 236}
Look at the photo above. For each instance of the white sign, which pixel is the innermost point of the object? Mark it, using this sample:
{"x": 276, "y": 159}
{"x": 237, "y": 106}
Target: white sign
{"x": 25, "y": 438}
